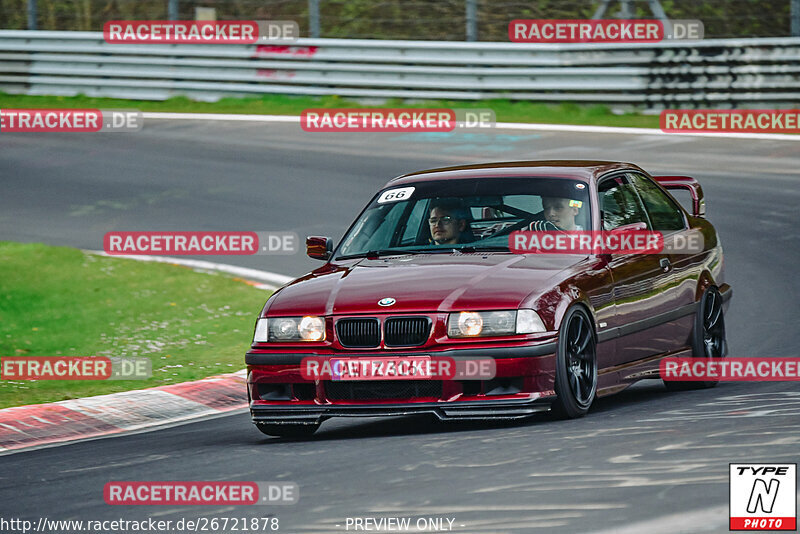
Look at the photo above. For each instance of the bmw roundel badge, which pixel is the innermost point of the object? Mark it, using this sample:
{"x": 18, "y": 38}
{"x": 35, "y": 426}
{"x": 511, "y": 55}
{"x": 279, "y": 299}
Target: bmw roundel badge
{"x": 386, "y": 301}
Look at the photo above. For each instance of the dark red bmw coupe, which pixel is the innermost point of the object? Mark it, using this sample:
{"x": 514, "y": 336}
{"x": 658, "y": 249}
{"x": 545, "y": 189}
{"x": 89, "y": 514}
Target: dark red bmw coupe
{"x": 426, "y": 272}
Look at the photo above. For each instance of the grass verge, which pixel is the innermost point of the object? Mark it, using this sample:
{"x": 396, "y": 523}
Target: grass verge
{"x": 505, "y": 110}
{"x": 57, "y": 301}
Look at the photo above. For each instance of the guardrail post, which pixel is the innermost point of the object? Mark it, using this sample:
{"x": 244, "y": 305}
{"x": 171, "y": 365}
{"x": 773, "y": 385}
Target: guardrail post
{"x": 626, "y": 12}
{"x": 472, "y": 20}
{"x": 795, "y": 16}
{"x": 658, "y": 11}
{"x": 313, "y": 18}
{"x": 172, "y": 9}
{"x": 31, "y": 14}
{"x": 601, "y": 10}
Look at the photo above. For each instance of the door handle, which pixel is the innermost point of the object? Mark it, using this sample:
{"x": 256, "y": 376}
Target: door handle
{"x": 665, "y": 264}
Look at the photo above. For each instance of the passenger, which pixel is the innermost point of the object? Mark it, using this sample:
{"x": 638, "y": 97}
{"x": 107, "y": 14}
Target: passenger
{"x": 559, "y": 214}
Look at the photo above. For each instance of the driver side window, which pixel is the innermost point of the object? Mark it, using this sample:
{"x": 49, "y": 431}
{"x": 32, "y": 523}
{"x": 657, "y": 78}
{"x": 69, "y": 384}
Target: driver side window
{"x": 619, "y": 204}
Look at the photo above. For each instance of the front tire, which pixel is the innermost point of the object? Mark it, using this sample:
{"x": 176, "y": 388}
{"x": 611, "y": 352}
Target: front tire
{"x": 576, "y": 365}
{"x": 292, "y": 430}
{"x": 708, "y": 338}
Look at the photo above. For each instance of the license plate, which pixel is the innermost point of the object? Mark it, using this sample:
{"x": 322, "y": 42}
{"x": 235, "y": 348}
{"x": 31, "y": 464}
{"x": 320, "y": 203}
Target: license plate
{"x": 384, "y": 368}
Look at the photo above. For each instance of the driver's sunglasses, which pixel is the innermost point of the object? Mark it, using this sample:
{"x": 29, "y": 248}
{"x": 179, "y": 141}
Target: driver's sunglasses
{"x": 433, "y": 221}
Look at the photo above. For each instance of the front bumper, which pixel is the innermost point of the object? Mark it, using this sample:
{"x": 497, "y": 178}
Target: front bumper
{"x": 523, "y": 386}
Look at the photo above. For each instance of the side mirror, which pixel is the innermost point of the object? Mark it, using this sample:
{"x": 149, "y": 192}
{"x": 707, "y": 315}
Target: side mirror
{"x": 686, "y": 183}
{"x": 319, "y": 248}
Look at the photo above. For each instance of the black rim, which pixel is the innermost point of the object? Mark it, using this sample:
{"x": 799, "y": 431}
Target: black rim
{"x": 713, "y": 325}
{"x": 581, "y": 370}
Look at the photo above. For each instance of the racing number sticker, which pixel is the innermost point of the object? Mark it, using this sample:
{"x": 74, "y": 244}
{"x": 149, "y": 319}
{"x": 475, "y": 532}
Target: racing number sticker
{"x": 393, "y": 195}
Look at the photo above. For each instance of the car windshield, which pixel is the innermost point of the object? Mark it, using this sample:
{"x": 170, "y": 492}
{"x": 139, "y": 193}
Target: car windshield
{"x": 466, "y": 214}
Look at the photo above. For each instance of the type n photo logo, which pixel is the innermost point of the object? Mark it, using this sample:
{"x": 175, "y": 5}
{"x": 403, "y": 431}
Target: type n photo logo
{"x": 763, "y": 497}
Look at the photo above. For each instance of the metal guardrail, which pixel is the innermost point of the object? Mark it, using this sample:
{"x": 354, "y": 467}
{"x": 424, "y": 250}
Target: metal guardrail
{"x": 720, "y": 73}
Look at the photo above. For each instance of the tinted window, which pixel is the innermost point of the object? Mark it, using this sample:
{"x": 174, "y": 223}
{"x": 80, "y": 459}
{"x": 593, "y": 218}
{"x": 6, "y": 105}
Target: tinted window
{"x": 475, "y": 212}
{"x": 619, "y": 204}
{"x": 380, "y": 227}
{"x": 413, "y": 224}
{"x": 665, "y": 215}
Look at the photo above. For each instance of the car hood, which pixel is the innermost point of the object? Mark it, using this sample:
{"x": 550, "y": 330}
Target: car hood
{"x": 422, "y": 283}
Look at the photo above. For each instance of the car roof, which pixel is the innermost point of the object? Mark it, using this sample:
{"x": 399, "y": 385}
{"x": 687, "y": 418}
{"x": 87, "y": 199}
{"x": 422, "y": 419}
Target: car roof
{"x": 570, "y": 169}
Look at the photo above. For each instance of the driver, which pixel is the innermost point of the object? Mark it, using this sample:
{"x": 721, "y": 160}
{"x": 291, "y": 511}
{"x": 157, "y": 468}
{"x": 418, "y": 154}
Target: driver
{"x": 559, "y": 214}
{"x": 447, "y": 222}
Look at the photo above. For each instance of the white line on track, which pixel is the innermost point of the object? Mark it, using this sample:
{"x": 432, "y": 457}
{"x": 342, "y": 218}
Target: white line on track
{"x": 500, "y": 125}
{"x": 269, "y": 280}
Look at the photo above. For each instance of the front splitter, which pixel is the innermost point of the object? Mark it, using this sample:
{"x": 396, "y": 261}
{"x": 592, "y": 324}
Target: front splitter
{"x": 468, "y": 410}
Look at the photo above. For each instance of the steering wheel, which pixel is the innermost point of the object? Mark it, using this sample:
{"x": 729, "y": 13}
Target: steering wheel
{"x": 548, "y": 226}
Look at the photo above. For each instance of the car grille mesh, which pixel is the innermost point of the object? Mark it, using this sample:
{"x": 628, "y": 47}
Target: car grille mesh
{"x": 406, "y": 331}
{"x": 358, "y": 332}
{"x": 397, "y": 331}
{"x": 382, "y": 389}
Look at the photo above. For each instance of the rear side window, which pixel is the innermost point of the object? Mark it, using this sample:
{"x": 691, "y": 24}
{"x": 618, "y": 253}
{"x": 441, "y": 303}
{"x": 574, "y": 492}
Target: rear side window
{"x": 664, "y": 213}
{"x": 619, "y": 204}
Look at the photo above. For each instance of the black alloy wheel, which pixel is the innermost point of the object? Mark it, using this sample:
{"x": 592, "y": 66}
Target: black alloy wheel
{"x": 576, "y": 365}
{"x": 708, "y": 338}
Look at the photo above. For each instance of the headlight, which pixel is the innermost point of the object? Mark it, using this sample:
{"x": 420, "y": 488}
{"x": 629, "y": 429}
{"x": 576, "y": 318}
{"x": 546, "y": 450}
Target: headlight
{"x": 312, "y": 328}
{"x": 493, "y": 323}
{"x": 308, "y": 328}
{"x": 468, "y": 324}
{"x": 472, "y": 324}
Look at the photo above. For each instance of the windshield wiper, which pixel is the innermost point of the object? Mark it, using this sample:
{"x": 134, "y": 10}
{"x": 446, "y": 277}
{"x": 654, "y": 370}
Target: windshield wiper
{"x": 495, "y": 248}
{"x": 375, "y": 253}
{"x": 384, "y": 252}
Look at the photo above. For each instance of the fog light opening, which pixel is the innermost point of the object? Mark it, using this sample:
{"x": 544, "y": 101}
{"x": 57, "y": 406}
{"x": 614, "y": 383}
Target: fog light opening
{"x": 304, "y": 391}
{"x": 503, "y": 386}
{"x": 271, "y": 392}
{"x": 470, "y": 387}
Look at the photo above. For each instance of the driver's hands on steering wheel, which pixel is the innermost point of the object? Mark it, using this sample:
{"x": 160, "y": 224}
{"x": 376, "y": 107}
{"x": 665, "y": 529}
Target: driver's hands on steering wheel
{"x": 543, "y": 226}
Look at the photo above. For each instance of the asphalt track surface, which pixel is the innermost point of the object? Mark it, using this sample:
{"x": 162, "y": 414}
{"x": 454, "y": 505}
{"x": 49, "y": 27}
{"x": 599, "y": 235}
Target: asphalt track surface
{"x": 643, "y": 460}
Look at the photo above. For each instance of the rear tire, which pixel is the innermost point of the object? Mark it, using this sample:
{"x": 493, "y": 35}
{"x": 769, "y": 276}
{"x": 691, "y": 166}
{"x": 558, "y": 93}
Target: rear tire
{"x": 708, "y": 338}
{"x": 576, "y": 365}
{"x": 292, "y": 430}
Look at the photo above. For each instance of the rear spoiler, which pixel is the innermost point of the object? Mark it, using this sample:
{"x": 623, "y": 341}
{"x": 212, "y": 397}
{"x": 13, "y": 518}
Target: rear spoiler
{"x": 686, "y": 182}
